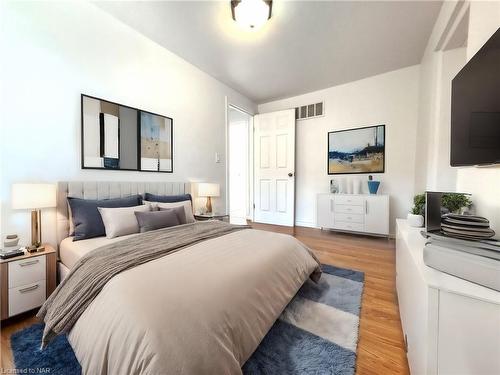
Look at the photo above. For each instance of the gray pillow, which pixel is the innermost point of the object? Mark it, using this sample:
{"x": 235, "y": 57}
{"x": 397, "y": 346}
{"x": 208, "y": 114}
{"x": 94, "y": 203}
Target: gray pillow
{"x": 156, "y": 220}
{"x": 179, "y": 211}
{"x": 188, "y": 208}
{"x": 87, "y": 219}
{"x": 167, "y": 198}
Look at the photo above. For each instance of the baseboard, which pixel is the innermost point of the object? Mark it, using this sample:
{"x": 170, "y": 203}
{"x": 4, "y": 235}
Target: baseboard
{"x": 307, "y": 224}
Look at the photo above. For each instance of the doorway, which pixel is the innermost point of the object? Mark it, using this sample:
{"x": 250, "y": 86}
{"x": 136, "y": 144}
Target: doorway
{"x": 239, "y": 128}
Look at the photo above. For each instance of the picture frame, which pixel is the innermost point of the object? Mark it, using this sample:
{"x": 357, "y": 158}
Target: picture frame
{"x": 119, "y": 137}
{"x": 356, "y": 151}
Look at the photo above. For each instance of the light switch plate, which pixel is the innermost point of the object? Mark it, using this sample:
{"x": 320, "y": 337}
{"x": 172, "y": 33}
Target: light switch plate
{"x": 217, "y": 157}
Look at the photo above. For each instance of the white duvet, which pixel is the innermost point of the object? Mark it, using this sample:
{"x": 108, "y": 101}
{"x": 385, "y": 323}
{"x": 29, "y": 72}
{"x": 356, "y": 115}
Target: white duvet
{"x": 201, "y": 310}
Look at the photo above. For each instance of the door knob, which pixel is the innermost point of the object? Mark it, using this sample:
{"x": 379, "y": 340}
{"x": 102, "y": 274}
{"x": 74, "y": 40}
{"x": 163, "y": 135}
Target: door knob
{"x": 290, "y": 174}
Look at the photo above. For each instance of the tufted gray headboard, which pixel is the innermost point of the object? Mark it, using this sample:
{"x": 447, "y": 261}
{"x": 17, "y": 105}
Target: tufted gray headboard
{"x": 105, "y": 190}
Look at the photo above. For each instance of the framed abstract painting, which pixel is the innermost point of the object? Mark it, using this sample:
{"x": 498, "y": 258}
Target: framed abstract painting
{"x": 116, "y": 136}
{"x": 156, "y": 143}
{"x": 360, "y": 150}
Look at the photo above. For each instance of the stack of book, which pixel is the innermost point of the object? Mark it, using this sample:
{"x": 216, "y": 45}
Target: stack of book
{"x": 466, "y": 227}
{"x": 11, "y": 252}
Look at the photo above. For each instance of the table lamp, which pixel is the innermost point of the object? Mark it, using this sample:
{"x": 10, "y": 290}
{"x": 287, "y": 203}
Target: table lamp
{"x": 209, "y": 191}
{"x": 34, "y": 197}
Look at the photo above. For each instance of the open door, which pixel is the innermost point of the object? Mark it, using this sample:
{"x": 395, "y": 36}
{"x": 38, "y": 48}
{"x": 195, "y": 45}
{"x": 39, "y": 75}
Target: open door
{"x": 274, "y": 167}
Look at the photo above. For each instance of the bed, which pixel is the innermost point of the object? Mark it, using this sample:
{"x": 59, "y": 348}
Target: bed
{"x": 202, "y": 309}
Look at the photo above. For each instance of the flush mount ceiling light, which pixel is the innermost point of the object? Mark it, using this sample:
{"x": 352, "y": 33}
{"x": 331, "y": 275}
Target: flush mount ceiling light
{"x": 251, "y": 13}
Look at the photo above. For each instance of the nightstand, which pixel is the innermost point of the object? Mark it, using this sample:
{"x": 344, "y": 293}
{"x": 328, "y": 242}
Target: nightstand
{"x": 27, "y": 281}
{"x": 205, "y": 217}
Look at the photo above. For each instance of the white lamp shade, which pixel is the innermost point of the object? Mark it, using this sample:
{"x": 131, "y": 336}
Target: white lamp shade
{"x": 208, "y": 190}
{"x": 33, "y": 196}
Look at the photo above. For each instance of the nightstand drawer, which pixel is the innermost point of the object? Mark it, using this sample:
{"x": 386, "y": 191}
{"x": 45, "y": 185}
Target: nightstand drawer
{"x": 26, "y": 297}
{"x": 26, "y": 271}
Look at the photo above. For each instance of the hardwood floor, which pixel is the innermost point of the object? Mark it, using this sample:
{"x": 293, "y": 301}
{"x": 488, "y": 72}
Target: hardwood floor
{"x": 381, "y": 348}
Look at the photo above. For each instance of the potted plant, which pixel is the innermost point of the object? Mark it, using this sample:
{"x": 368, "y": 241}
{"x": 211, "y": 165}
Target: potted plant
{"x": 455, "y": 202}
{"x": 450, "y": 202}
{"x": 416, "y": 216}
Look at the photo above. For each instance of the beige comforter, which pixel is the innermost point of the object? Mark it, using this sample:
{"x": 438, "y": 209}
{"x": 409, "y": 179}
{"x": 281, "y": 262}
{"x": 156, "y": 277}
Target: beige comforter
{"x": 201, "y": 310}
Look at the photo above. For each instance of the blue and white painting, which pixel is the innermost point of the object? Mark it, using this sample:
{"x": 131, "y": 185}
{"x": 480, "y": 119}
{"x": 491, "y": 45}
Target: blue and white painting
{"x": 359, "y": 150}
{"x": 156, "y": 143}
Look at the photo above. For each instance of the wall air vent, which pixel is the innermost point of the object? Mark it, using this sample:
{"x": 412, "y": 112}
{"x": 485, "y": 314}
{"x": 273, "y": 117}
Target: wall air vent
{"x": 309, "y": 111}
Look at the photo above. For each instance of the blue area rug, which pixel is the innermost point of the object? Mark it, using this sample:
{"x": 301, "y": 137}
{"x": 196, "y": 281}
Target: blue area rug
{"x": 316, "y": 334}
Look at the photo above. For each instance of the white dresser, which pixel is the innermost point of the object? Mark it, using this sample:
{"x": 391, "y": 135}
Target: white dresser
{"x": 364, "y": 213}
{"x": 451, "y": 326}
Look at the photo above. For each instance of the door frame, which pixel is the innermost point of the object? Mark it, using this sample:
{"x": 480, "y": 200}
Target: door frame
{"x": 250, "y": 198}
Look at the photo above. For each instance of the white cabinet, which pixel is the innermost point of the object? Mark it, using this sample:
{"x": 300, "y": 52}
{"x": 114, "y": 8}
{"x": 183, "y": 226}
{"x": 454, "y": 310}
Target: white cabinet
{"x": 451, "y": 326}
{"x": 377, "y": 214}
{"x": 26, "y": 281}
{"x": 324, "y": 211}
{"x": 355, "y": 213}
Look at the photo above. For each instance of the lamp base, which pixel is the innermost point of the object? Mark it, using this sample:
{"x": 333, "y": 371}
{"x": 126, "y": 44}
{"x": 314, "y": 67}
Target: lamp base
{"x": 36, "y": 228}
{"x": 208, "y": 206}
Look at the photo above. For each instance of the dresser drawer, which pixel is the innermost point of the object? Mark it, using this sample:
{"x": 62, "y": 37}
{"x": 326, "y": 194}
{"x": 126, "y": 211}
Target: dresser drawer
{"x": 342, "y": 225}
{"x": 350, "y": 200}
{"x": 26, "y": 271}
{"x": 26, "y": 297}
{"x": 350, "y": 218}
{"x": 347, "y": 209}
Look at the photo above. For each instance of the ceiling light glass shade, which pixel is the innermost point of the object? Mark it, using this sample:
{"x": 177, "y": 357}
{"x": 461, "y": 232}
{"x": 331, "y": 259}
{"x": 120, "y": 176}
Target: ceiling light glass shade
{"x": 251, "y": 13}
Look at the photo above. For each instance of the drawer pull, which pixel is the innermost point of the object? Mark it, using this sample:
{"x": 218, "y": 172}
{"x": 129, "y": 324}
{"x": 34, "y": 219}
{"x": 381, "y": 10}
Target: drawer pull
{"x": 28, "y": 289}
{"x": 30, "y": 263}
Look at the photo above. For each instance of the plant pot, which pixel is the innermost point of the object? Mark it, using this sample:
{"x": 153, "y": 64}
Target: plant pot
{"x": 416, "y": 221}
{"x": 373, "y": 186}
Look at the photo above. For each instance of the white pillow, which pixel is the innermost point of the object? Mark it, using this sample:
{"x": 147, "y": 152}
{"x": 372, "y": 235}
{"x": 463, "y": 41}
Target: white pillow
{"x": 188, "y": 209}
{"x": 121, "y": 221}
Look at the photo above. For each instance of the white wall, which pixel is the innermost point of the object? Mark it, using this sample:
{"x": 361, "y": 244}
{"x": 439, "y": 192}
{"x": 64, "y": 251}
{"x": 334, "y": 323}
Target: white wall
{"x": 389, "y": 99}
{"x": 53, "y": 52}
{"x": 433, "y": 172}
{"x": 482, "y": 183}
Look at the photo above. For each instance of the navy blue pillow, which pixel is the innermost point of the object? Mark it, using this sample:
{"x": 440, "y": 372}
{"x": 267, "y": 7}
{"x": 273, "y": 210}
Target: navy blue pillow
{"x": 167, "y": 198}
{"x": 87, "y": 219}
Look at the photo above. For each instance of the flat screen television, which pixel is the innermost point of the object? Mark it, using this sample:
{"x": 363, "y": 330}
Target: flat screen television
{"x": 475, "y": 108}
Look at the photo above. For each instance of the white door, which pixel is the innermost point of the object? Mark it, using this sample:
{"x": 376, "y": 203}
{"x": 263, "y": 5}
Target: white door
{"x": 274, "y": 167}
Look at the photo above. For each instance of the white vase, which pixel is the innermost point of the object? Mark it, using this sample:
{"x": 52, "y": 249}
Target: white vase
{"x": 416, "y": 221}
{"x": 356, "y": 186}
{"x": 342, "y": 189}
{"x": 349, "y": 186}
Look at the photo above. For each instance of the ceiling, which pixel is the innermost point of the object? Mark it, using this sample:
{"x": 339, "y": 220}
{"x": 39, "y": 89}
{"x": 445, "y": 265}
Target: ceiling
{"x": 305, "y": 46}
